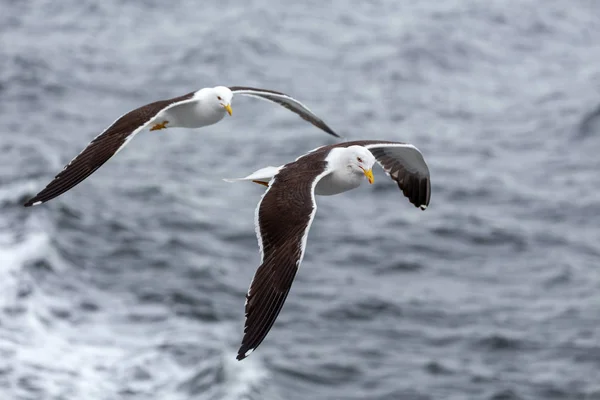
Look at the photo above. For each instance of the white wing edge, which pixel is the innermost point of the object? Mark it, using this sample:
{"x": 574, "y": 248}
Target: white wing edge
{"x": 374, "y": 145}
{"x": 296, "y": 105}
{"x": 410, "y": 146}
{"x": 312, "y": 214}
{"x": 138, "y": 130}
{"x": 134, "y": 132}
{"x": 304, "y": 235}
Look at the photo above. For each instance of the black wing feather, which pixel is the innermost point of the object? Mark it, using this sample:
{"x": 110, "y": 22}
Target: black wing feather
{"x": 101, "y": 149}
{"x": 286, "y": 101}
{"x": 284, "y": 216}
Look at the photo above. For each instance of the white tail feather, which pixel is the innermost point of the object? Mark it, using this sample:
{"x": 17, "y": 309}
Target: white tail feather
{"x": 262, "y": 175}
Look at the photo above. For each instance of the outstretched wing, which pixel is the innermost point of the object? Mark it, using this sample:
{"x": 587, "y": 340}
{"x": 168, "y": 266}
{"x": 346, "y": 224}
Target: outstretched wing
{"x": 283, "y": 218}
{"x": 286, "y": 101}
{"x": 105, "y": 146}
{"x": 404, "y": 163}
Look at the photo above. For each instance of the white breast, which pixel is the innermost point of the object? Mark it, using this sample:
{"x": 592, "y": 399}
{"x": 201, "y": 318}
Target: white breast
{"x": 193, "y": 115}
{"x": 338, "y": 182}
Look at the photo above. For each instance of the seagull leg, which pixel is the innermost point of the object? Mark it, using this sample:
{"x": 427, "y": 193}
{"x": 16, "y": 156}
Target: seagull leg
{"x": 261, "y": 183}
{"x": 162, "y": 125}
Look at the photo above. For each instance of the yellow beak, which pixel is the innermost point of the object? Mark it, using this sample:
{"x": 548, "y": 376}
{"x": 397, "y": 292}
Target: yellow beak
{"x": 228, "y": 108}
{"x": 369, "y": 175}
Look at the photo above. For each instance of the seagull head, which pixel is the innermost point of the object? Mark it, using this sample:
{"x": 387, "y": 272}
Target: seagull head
{"x": 361, "y": 161}
{"x": 223, "y": 96}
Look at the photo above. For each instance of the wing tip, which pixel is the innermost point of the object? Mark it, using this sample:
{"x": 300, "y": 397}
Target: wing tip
{"x": 32, "y": 202}
{"x": 331, "y": 132}
{"x": 243, "y": 354}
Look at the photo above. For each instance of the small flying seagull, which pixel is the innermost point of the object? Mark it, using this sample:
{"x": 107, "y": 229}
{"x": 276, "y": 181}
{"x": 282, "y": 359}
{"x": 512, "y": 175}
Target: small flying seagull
{"x": 287, "y": 208}
{"x": 193, "y": 110}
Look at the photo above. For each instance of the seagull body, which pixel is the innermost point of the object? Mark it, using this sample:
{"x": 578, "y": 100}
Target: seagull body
{"x": 200, "y": 110}
{"x": 338, "y": 181}
{"x": 193, "y": 110}
{"x": 287, "y": 208}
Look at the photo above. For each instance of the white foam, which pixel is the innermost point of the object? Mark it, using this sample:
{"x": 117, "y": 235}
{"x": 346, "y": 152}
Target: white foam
{"x": 34, "y": 246}
{"x": 14, "y": 192}
{"x": 244, "y": 378}
{"x": 14, "y": 256}
{"x": 95, "y": 350}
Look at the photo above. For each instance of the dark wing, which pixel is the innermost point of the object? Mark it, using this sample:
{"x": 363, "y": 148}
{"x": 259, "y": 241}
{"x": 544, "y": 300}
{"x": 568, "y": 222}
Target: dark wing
{"x": 283, "y": 219}
{"x": 404, "y": 163}
{"x": 286, "y": 101}
{"x": 103, "y": 147}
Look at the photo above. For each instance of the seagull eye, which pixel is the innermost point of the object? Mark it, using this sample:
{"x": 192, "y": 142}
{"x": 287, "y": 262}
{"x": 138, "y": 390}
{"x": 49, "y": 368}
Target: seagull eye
{"x": 359, "y": 159}
{"x": 219, "y": 97}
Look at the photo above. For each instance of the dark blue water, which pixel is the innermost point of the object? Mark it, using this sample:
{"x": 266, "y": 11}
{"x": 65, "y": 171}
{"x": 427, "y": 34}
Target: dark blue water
{"x": 131, "y": 286}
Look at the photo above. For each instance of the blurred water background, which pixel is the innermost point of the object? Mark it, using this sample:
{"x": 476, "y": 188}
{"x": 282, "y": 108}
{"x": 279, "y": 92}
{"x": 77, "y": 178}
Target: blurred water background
{"x": 131, "y": 286}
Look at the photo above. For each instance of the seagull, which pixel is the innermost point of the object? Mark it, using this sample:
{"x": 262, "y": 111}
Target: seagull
{"x": 287, "y": 208}
{"x": 193, "y": 110}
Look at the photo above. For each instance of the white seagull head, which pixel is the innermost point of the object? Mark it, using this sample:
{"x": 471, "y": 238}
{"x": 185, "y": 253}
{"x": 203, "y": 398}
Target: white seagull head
{"x": 361, "y": 161}
{"x": 223, "y": 96}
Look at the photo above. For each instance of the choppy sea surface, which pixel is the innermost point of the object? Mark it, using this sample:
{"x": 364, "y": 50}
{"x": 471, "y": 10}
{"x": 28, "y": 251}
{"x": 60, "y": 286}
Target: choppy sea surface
{"x": 131, "y": 285}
